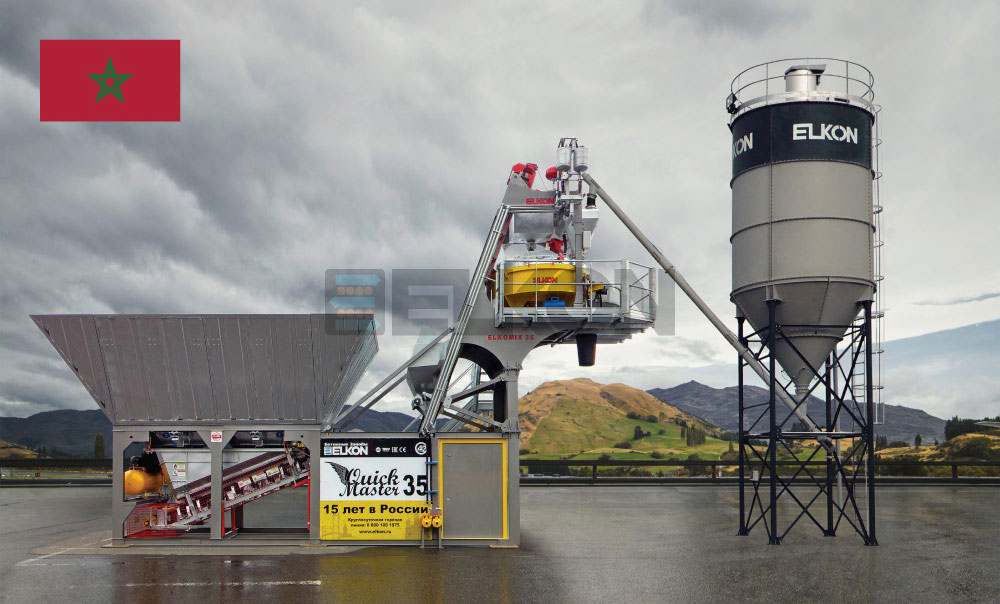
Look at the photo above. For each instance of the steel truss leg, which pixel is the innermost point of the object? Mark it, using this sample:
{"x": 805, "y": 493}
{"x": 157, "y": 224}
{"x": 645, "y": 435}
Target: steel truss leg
{"x": 741, "y": 434}
{"x": 831, "y": 470}
{"x": 772, "y": 446}
{"x": 862, "y": 414}
{"x": 869, "y": 424}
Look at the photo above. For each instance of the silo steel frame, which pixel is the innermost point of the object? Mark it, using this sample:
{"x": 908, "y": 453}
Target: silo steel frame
{"x": 845, "y": 471}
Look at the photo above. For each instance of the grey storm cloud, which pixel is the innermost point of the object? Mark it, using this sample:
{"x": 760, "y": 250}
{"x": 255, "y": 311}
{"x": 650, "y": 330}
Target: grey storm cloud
{"x": 380, "y": 134}
{"x": 742, "y": 17}
{"x": 959, "y": 300}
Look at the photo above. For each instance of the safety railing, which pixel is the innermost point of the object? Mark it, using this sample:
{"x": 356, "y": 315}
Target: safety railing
{"x": 764, "y": 84}
{"x": 610, "y": 291}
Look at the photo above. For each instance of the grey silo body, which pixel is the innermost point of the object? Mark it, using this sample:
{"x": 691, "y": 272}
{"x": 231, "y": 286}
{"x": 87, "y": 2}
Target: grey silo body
{"x": 802, "y": 216}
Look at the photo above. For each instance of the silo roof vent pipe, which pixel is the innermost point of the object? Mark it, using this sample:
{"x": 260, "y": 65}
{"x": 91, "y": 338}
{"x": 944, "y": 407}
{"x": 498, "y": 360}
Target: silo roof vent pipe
{"x": 803, "y": 78}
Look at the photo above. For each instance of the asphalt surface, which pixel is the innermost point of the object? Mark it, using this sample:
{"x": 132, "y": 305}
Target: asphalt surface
{"x": 579, "y": 544}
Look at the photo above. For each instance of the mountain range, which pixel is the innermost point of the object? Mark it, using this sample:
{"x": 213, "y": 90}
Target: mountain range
{"x": 558, "y": 417}
{"x": 61, "y": 433}
{"x": 721, "y": 407}
{"x": 71, "y": 433}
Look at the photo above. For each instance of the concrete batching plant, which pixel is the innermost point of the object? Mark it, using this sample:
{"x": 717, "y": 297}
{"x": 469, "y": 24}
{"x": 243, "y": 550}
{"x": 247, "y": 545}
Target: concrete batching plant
{"x": 212, "y": 412}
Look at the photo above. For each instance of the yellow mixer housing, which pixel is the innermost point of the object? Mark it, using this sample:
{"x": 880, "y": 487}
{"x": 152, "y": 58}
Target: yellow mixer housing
{"x": 532, "y": 284}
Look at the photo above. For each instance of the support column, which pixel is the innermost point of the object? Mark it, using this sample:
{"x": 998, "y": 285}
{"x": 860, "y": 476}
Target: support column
{"x": 740, "y": 432}
{"x": 581, "y": 298}
{"x": 512, "y": 433}
{"x": 870, "y": 423}
{"x": 120, "y": 509}
{"x": 772, "y": 447}
{"x": 831, "y": 469}
{"x": 312, "y": 442}
{"x": 218, "y": 517}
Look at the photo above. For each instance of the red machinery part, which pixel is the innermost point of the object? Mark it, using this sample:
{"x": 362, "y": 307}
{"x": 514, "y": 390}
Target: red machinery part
{"x": 525, "y": 171}
{"x": 530, "y": 170}
{"x": 148, "y": 520}
{"x": 557, "y": 246}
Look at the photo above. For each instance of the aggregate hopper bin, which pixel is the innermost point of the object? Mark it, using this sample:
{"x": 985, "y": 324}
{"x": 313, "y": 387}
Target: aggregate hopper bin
{"x": 209, "y": 369}
{"x": 228, "y": 409}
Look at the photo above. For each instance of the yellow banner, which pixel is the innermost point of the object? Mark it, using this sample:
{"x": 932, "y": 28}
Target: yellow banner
{"x": 376, "y": 520}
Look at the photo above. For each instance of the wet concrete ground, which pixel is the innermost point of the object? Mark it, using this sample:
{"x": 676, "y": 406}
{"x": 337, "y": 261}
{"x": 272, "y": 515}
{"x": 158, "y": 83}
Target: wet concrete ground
{"x": 579, "y": 544}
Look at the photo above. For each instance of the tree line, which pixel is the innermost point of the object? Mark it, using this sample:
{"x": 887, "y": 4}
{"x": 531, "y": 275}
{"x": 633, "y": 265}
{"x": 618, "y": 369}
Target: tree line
{"x": 693, "y": 435}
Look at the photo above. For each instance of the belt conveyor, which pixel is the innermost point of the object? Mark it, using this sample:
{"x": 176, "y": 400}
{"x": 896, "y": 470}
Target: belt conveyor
{"x": 241, "y": 483}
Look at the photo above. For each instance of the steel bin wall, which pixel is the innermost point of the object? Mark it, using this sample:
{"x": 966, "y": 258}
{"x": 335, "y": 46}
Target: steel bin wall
{"x": 210, "y": 369}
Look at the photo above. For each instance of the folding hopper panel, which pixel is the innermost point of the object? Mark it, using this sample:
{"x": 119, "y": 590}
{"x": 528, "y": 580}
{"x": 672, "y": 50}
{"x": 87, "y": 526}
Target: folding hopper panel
{"x": 209, "y": 369}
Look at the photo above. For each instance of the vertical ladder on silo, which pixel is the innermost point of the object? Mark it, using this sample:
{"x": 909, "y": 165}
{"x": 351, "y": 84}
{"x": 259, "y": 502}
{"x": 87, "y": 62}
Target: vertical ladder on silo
{"x": 859, "y": 376}
{"x": 878, "y": 310}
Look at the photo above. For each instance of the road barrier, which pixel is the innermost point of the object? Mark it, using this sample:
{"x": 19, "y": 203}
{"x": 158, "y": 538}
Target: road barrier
{"x": 641, "y": 471}
{"x": 96, "y": 472}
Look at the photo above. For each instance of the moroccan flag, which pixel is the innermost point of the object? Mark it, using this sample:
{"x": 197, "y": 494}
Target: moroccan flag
{"x": 110, "y": 80}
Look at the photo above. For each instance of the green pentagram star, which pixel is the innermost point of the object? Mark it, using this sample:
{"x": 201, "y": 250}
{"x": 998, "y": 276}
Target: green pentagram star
{"x": 111, "y": 82}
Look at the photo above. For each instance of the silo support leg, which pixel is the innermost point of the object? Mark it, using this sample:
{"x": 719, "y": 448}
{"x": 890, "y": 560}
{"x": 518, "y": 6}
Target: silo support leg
{"x": 740, "y": 435}
{"x": 870, "y": 424}
{"x": 772, "y": 446}
{"x": 831, "y": 470}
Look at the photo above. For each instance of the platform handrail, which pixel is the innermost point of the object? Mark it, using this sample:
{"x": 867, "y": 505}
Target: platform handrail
{"x": 633, "y": 283}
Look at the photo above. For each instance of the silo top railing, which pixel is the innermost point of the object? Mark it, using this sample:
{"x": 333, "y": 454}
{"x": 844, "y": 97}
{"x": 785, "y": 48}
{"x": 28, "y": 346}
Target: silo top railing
{"x": 764, "y": 84}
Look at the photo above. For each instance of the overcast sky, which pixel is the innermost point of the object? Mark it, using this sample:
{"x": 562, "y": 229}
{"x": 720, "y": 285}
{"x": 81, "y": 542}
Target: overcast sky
{"x": 380, "y": 134}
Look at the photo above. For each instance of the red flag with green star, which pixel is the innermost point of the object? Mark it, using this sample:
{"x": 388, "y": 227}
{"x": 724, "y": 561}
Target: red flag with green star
{"x": 110, "y": 80}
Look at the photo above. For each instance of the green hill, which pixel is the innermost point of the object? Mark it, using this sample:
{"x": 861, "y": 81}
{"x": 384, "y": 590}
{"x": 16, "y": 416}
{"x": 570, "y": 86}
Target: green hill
{"x": 13, "y": 451}
{"x": 585, "y": 419}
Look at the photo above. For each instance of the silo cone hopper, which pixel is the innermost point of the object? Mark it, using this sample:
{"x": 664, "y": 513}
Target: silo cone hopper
{"x": 802, "y": 314}
{"x": 191, "y": 370}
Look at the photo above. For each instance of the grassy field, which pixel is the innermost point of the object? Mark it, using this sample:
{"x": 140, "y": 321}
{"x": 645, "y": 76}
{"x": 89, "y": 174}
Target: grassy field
{"x": 585, "y": 431}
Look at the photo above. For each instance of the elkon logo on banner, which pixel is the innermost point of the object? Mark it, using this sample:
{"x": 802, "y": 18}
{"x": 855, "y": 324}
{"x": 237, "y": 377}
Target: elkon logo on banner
{"x": 803, "y": 132}
{"x": 828, "y": 132}
{"x": 743, "y": 144}
{"x": 349, "y": 449}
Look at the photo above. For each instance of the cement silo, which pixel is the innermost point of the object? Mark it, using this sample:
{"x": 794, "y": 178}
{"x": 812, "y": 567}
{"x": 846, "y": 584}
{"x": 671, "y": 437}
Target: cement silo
{"x": 802, "y": 230}
{"x": 804, "y": 275}
{"x": 805, "y": 269}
